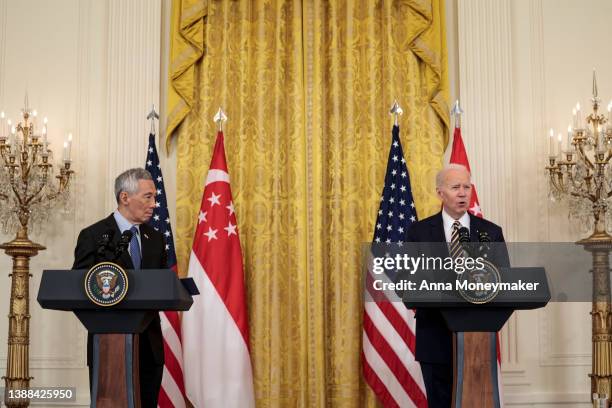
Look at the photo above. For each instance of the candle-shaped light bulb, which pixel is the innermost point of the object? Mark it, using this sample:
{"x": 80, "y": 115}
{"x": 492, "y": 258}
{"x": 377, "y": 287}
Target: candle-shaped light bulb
{"x": 65, "y": 154}
{"x": 2, "y": 115}
{"x": 569, "y": 137}
{"x": 559, "y": 144}
{"x": 34, "y": 113}
{"x": 551, "y": 142}
{"x": 9, "y": 123}
{"x": 45, "y": 120}
{"x": 601, "y": 141}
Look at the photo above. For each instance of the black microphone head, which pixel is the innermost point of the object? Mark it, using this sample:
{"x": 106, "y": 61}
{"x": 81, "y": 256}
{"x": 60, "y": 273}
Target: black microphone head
{"x": 484, "y": 236}
{"x": 464, "y": 234}
{"x": 126, "y": 236}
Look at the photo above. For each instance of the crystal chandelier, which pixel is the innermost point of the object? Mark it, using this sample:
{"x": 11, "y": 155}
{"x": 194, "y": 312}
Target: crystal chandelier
{"x": 580, "y": 172}
{"x": 27, "y": 185}
{"x": 28, "y": 192}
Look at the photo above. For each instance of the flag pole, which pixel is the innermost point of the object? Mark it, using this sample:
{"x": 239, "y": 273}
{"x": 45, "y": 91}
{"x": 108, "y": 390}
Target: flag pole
{"x": 152, "y": 116}
{"x": 396, "y": 111}
{"x": 457, "y": 112}
{"x": 219, "y": 118}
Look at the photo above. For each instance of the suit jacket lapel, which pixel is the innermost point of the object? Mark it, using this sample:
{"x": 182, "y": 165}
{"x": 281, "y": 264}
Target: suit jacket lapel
{"x": 437, "y": 235}
{"x": 474, "y": 228}
{"x": 146, "y": 248}
{"x": 437, "y": 229}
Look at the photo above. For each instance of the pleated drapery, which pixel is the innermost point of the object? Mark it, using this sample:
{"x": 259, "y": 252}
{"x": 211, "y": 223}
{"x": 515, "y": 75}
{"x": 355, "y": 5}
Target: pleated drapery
{"x": 307, "y": 86}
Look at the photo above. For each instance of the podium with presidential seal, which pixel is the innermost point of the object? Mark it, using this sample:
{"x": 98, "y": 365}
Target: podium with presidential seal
{"x": 475, "y": 306}
{"x": 115, "y": 305}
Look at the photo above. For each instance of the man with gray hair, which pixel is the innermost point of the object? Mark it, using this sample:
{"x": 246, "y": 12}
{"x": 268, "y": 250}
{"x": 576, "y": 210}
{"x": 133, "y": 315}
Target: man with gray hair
{"x": 135, "y": 194}
{"x": 433, "y": 339}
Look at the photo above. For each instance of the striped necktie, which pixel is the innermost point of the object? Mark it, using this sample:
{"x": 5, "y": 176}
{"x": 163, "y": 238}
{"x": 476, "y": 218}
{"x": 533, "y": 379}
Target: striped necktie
{"x": 456, "y": 250}
{"x": 135, "y": 248}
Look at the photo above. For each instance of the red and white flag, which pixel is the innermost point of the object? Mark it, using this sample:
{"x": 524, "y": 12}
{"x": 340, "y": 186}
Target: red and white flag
{"x": 459, "y": 156}
{"x": 216, "y": 357}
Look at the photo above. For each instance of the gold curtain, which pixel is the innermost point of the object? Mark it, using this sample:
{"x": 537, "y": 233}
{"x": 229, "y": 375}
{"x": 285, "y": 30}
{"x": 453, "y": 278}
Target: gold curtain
{"x": 307, "y": 86}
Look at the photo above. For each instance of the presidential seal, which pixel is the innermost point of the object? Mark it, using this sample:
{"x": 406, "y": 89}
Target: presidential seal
{"x": 479, "y": 285}
{"x": 106, "y": 284}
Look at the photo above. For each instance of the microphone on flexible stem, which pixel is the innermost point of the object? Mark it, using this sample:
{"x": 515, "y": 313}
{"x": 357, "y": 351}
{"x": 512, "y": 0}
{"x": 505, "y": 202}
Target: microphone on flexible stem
{"x": 485, "y": 240}
{"x": 124, "y": 241}
{"x": 464, "y": 239}
{"x": 103, "y": 244}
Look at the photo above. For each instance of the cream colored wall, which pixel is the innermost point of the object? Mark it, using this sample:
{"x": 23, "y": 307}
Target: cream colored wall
{"x": 523, "y": 65}
{"x": 93, "y": 68}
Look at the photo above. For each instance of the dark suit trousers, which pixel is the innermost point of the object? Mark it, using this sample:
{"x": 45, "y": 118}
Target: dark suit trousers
{"x": 438, "y": 380}
{"x": 150, "y": 376}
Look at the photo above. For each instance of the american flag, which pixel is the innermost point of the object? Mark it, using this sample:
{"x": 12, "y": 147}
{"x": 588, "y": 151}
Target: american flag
{"x": 388, "y": 326}
{"x": 172, "y": 392}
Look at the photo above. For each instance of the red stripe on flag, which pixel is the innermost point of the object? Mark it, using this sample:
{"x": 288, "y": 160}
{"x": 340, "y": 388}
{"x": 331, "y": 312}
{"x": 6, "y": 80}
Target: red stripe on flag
{"x": 175, "y": 322}
{"x": 392, "y": 315}
{"x": 394, "y": 363}
{"x": 399, "y": 324}
{"x": 174, "y": 368}
{"x": 163, "y": 400}
{"x": 377, "y": 386}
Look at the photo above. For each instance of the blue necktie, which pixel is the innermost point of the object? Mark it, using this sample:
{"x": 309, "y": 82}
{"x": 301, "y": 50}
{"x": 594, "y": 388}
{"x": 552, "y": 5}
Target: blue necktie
{"x": 135, "y": 248}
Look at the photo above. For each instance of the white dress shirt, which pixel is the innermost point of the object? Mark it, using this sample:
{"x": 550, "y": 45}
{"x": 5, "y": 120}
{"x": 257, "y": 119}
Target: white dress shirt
{"x": 448, "y": 221}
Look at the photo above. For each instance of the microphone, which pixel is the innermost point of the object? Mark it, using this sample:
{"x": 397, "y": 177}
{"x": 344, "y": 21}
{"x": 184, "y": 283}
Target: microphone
{"x": 465, "y": 241}
{"x": 485, "y": 240}
{"x": 124, "y": 241}
{"x": 464, "y": 234}
{"x": 103, "y": 243}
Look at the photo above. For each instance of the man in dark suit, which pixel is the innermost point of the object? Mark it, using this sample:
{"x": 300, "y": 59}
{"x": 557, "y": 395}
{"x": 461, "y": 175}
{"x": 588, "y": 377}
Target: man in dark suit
{"x": 433, "y": 339}
{"x": 135, "y": 194}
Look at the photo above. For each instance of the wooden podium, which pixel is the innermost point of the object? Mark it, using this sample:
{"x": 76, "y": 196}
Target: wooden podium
{"x": 115, "y": 381}
{"x": 474, "y": 327}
